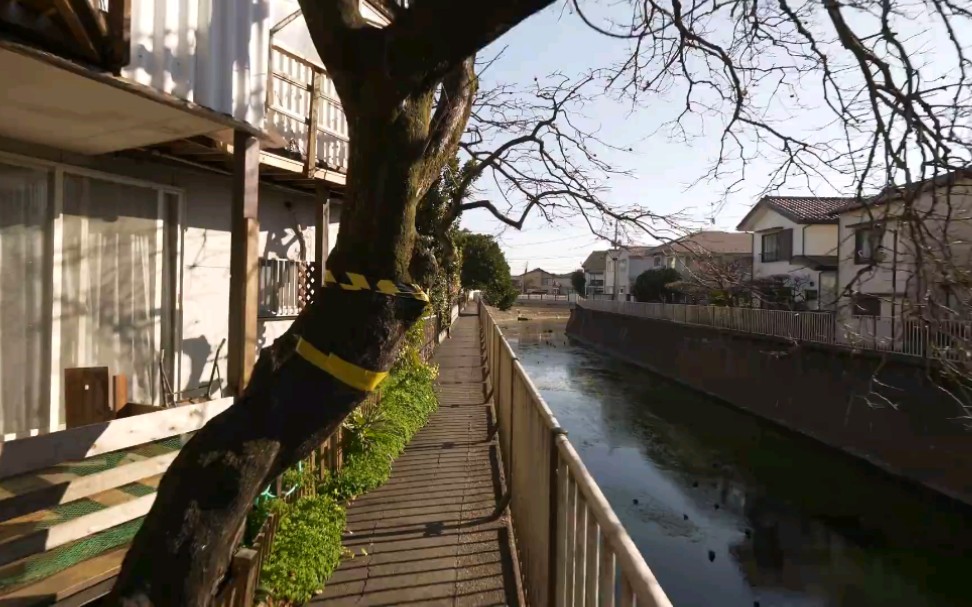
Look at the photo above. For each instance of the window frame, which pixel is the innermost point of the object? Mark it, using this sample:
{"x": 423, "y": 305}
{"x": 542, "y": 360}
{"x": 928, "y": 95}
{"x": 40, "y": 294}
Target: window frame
{"x": 874, "y": 235}
{"x": 859, "y": 311}
{"x": 781, "y": 252}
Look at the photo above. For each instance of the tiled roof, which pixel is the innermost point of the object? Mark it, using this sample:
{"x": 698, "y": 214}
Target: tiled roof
{"x": 808, "y": 209}
{"x": 595, "y": 262}
{"x": 713, "y": 241}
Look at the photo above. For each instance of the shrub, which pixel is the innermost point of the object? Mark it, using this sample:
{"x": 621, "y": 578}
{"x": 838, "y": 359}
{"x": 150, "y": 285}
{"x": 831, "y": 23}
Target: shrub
{"x": 501, "y": 294}
{"x": 306, "y": 549}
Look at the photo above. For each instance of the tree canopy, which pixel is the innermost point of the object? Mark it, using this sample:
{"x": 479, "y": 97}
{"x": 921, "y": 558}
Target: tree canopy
{"x": 578, "y": 281}
{"x": 652, "y": 285}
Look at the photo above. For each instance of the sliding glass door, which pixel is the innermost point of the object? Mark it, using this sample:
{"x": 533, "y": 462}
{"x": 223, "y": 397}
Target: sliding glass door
{"x": 25, "y": 215}
{"x": 86, "y": 262}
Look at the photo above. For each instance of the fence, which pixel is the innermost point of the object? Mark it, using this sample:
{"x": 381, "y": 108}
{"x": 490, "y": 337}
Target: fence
{"x": 944, "y": 340}
{"x": 547, "y": 297}
{"x": 572, "y": 548}
{"x": 286, "y": 287}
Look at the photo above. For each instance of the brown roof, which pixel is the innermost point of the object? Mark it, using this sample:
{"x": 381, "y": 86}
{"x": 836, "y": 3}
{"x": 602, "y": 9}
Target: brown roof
{"x": 595, "y": 262}
{"x": 802, "y": 209}
{"x": 712, "y": 241}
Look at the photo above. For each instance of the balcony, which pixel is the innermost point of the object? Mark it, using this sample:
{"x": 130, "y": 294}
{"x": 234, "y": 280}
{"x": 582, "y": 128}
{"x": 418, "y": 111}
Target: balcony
{"x": 304, "y": 110}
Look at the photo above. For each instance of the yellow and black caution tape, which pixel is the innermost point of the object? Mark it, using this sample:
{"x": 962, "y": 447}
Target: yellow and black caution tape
{"x": 360, "y": 282}
{"x": 340, "y": 369}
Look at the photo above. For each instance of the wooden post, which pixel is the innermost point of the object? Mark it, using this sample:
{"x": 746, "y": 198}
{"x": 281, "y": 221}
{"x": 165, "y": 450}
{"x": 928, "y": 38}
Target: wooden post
{"x": 322, "y": 224}
{"x": 245, "y": 566}
{"x": 310, "y": 163}
{"x": 244, "y": 270}
{"x": 119, "y": 392}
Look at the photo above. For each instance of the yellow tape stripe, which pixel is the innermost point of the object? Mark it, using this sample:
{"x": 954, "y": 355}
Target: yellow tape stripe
{"x": 359, "y": 282}
{"x": 343, "y": 371}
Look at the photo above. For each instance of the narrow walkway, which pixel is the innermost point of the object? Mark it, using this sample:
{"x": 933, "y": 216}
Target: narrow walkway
{"x": 432, "y": 535}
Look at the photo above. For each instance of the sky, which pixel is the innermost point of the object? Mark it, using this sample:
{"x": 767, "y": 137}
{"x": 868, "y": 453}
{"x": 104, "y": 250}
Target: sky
{"x": 663, "y": 168}
{"x": 555, "y": 41}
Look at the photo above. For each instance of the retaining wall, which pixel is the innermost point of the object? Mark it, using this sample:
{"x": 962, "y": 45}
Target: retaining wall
{"x": 885, "y": 409}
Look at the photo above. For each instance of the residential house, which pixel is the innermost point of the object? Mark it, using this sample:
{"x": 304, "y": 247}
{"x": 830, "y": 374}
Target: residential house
{"x": 690, "y": 253}
{"x": 891, "y": 266}
{"x": 795, "y": 237}
{"x": 623, "y": 265}
{"x": 594, "y": 273}
{"x": 163, "y": 183}
{"x": 541, "y": 281}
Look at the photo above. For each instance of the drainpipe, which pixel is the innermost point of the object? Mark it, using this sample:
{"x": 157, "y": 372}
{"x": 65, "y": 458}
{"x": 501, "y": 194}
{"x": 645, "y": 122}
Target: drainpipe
{"x": 894, "y": 281}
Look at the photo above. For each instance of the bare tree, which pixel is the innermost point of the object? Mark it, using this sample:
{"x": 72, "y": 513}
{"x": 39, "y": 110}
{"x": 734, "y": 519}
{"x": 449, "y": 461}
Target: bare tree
{"x": 408, "y": 91}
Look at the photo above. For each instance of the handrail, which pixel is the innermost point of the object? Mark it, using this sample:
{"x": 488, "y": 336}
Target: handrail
{"x": 572, "y": 547}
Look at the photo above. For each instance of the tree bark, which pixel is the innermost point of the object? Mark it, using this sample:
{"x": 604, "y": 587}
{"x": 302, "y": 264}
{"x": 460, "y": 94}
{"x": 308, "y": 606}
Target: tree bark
{"x": 387, "y": 88}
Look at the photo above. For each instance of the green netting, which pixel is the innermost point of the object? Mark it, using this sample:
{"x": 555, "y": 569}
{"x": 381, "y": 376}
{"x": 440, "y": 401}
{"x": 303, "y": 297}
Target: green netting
{"x": 70, "y": 510}
{"x": 43, "y": 565}
{"x": 137, "y": 489}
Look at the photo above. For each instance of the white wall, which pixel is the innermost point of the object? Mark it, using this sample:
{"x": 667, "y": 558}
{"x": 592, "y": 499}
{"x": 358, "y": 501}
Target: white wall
{"x": 818, "y": 239}
{"x": 211, "y": 52}
{"x": 895, "y": 278}
{"x": 205, "y": 241}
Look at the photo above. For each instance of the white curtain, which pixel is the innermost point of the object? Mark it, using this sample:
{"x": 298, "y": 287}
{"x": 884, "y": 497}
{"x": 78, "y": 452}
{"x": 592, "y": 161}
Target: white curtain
{"x": 111, "y": 272}
{"x": 24, "y": 356}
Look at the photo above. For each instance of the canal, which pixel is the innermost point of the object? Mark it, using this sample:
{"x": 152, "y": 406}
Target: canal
{"x": 729, "y": 510}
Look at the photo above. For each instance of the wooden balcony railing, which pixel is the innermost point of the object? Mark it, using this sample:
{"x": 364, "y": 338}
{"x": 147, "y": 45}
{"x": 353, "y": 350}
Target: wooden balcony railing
{"x": 303, "y": 108}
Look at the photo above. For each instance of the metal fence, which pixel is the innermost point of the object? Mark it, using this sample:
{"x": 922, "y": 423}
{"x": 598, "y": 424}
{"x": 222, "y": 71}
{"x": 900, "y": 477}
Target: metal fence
{"x": 939, "y": 339}
{"x": 572, "y": 548}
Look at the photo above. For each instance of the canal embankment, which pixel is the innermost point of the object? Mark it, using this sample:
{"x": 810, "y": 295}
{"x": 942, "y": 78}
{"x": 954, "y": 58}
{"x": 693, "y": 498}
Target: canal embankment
{"x": 878, "y": 407}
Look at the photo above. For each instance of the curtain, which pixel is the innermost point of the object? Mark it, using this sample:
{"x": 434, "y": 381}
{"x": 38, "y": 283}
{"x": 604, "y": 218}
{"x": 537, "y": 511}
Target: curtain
{"x": 24, "y": 356}
{"x": 111, "y": 272}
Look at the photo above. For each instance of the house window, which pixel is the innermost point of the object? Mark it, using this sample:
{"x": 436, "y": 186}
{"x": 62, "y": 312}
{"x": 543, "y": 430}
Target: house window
{"x": 867, "y": 244}
{"x": 283, "y": 287}
{"x": 810, "y": 295}
{"x": 658, "y": 261}
{"x": 866, "y": 305}
{"x": 777, "y": 246}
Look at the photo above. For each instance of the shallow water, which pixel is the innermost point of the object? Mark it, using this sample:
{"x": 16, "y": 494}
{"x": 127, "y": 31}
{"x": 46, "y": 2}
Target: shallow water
{"x": 787, "y": 521}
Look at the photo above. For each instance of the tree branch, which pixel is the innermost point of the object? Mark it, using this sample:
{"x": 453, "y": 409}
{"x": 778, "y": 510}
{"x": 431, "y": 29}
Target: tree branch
{"x": 449, "y": 120}
{"x": 346, "y": 43}
{"x": 433, "y": 36}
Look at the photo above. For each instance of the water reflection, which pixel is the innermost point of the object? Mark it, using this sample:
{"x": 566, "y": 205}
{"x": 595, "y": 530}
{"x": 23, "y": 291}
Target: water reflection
{"x": 728, "y": 510}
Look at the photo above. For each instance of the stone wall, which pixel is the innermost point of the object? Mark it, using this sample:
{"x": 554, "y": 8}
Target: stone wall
{"x": 885, "y": 409}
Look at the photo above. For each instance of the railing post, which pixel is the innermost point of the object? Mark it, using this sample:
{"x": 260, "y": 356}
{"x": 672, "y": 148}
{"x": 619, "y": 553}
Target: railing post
{"x": 553, "y": 524}
{"x": 310, "y": 163}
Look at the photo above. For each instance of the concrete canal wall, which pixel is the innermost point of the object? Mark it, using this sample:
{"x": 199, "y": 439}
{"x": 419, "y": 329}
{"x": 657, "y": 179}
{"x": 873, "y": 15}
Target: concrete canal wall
{"x": 836, "y": 396}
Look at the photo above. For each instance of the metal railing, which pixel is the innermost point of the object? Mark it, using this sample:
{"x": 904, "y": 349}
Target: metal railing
{"x": 547, "y": 296}
{"x": 940, "y": 339}
{"x": 572, "y": 548}
{"x": 285, "y": 287}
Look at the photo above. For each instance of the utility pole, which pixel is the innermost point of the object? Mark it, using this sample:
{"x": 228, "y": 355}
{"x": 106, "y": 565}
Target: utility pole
{"x": 614, "y": 258}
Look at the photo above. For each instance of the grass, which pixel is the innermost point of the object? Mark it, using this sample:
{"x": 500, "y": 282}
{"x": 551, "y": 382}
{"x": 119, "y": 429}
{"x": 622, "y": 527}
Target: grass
{"x": 307, "y": 547}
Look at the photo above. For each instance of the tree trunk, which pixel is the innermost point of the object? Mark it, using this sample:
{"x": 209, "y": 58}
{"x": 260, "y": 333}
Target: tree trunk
{"x": 183, "y": 549}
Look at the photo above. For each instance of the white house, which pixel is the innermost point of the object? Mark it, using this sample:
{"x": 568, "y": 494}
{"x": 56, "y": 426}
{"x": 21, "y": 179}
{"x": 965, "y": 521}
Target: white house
{"x": 890, "y": 266}
{"x": 594, "y": 272}
{"x": 159, "y": 194}
{"x": 796, "y": 237}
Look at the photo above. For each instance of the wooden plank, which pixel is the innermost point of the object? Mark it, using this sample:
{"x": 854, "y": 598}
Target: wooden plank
{"x": 69, "y": 582}
{"x": 86, "y": 396}
{"x": 75, "y": 24}
{"x": 118, "y": 52}
{"x": 310, "y": 162}
{"x": 36, "y": 452}
{"x": 83, "y": 486}
{"x": 119, "y": 392}
{"x": 244, "y": 261}
{"x": 83, "y": 526}
{"x": 607, "y": 575}
{"x": 592, "y": 563}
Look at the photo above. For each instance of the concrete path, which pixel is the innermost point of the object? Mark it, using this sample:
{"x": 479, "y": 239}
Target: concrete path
{"x": 432, "y": 535}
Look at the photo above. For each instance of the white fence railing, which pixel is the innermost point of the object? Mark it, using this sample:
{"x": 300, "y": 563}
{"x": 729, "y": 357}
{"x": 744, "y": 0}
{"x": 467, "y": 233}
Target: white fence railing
{"x": 943, "y": 339}
{"x": 546, "y": 297}
{"x": 572, "y": 548}
{"x": 289, "y": 107}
